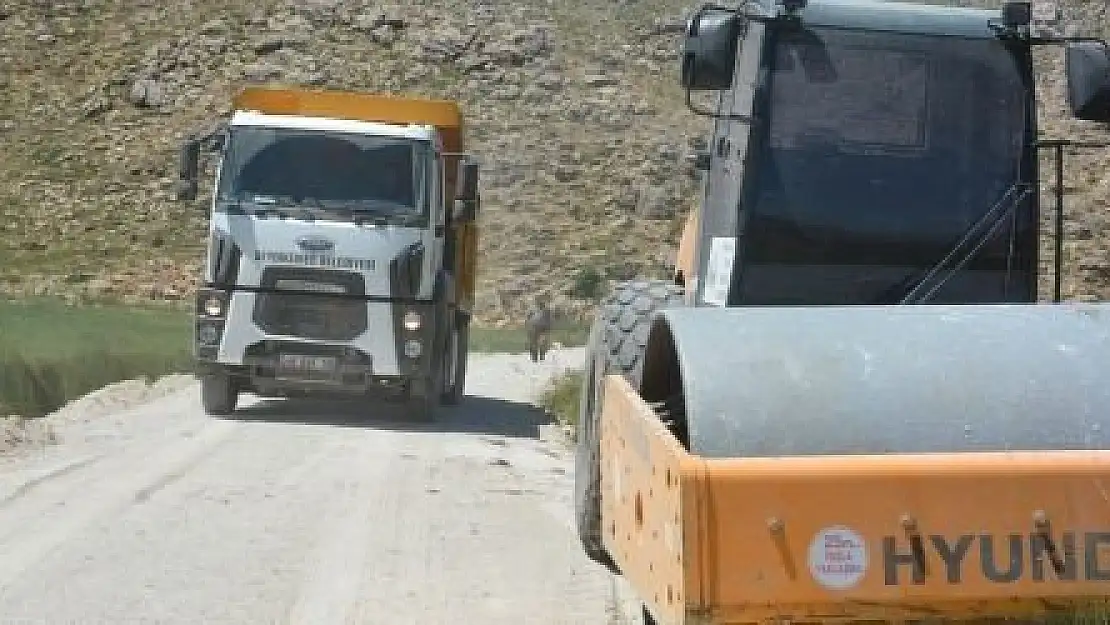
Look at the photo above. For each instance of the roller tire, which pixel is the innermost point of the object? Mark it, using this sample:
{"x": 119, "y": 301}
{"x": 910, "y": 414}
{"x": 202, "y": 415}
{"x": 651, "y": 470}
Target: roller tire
{"x": 627, "y": 315}
{"x": 617, "y": 344}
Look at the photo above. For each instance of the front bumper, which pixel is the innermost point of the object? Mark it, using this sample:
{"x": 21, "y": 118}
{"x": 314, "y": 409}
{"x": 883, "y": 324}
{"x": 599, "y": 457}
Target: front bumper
{"x": 348, "y": 370}
{"x": 380, "y": 358}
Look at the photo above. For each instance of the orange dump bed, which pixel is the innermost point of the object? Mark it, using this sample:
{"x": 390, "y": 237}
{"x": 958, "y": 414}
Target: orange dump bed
{"x": 733, "y": 540}
{"x": 443, "y": 114}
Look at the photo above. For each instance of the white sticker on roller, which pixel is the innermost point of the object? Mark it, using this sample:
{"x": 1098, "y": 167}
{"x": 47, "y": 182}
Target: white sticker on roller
{"x": 722, "y": 252}
{"x": 837, "y": 558}
{"x": 670, "y": 537}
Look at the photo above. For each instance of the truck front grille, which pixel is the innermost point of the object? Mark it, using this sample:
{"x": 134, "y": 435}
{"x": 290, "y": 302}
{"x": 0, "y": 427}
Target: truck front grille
{"x": 320, "y": 305}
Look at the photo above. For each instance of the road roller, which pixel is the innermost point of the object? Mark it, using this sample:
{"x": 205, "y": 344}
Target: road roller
{"x": 851, "y": 402}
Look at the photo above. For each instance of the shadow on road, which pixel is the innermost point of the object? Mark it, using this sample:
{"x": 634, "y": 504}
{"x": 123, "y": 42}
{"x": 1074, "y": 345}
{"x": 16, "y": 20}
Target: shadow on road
{"x": 474, "y": 415}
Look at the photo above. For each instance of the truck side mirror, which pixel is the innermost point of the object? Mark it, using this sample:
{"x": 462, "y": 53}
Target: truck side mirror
{"x": 466, "y": 194}
{"x": 702, "y": 160}
{"x": 1087, "y": 65}
{"x": 189, "y": 166}
{"x": 709, "y": 52}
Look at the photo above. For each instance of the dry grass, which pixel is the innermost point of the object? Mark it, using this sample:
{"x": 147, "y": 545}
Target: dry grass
{"x": 561, "y": 398}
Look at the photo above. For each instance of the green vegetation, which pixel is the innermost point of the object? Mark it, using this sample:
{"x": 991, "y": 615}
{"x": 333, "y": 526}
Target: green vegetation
{"x": 588, "y": 284}
{"x": 562, "y": 396}
{"x": 513, "y": 340}
{"x": 52, "y": 353}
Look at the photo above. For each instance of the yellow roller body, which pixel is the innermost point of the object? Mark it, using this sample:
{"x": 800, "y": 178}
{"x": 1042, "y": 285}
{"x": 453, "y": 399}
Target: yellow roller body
{"x": 825, "y": 538}
{"x": 868, "y": 508}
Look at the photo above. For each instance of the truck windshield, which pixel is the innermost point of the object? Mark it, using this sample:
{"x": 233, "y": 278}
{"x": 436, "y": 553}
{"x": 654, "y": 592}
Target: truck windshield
{"x": 879, "y": 152}
{"x": 338, "y": 174}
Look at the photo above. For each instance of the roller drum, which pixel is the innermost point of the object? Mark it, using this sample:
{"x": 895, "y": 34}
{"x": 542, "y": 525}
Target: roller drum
{"x": 774, "y": 381}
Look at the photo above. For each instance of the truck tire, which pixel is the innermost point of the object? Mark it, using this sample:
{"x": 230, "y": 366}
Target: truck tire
{"x": 423, "y": 398}
{"x": 426, "y": 393}
{"x": 616, "y": 344}
{"x": 219, "y": 393}
{"x": 459, "y": 354}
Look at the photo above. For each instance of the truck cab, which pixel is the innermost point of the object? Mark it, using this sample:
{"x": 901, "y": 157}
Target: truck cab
{"x": 340, "y": 250}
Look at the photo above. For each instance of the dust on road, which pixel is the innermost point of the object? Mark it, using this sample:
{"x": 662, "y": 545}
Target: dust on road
{"x": 294, "y": 512}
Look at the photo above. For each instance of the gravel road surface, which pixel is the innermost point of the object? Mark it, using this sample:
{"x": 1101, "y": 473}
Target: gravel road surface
{"x": 302, "y": 513}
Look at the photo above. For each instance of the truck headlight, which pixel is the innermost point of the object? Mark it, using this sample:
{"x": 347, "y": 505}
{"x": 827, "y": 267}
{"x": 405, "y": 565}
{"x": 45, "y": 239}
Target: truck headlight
{"x": 412, "y": 321}
{"x": 213, "y": 306}
{"x": 413, "y": 348}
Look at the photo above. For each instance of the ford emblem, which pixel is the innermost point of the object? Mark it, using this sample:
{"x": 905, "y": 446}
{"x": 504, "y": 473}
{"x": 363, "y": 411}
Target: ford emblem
{"x": 315, "y": 244}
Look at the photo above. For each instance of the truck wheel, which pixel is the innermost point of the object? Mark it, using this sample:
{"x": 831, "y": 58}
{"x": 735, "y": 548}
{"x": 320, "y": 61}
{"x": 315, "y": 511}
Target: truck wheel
{"x": 457, "y": 354}
{"x": 219, "y": 394}
{"x": 423, "y": 399}
{"x": 616, "y": 344}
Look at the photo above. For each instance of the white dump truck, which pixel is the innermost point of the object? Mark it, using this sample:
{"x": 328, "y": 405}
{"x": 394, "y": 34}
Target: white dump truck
{"x": 341, "y": 250}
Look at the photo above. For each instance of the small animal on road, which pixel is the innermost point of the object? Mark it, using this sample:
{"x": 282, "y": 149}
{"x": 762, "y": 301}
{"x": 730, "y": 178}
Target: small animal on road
{"x": 538, "y": 327}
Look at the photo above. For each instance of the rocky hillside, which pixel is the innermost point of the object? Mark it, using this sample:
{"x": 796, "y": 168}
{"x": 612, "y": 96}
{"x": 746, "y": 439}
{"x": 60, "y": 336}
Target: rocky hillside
{"x": 1086, "y": 270}
{"x": 574, "y": 107}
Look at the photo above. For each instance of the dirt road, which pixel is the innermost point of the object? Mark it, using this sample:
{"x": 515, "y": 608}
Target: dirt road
{"x": 302, "y": 514}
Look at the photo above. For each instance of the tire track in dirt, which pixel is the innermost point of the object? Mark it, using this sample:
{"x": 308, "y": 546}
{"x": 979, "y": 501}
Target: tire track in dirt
{"x": 332, "y": 584}
{"x": 98, "y": 491}
{"x": 55, "y": 472}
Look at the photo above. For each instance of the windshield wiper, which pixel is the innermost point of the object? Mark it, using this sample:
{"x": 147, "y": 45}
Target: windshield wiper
{"x": 992, "y": 220}
{"x": 401, "y": 215}
{"x": 282, "y": 205}
{"x": 377, "y": 212}
{"x": 231, "y": 204}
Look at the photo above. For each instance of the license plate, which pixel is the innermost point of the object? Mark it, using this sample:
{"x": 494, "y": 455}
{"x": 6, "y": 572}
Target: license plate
{"x": 307, "y": 364}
